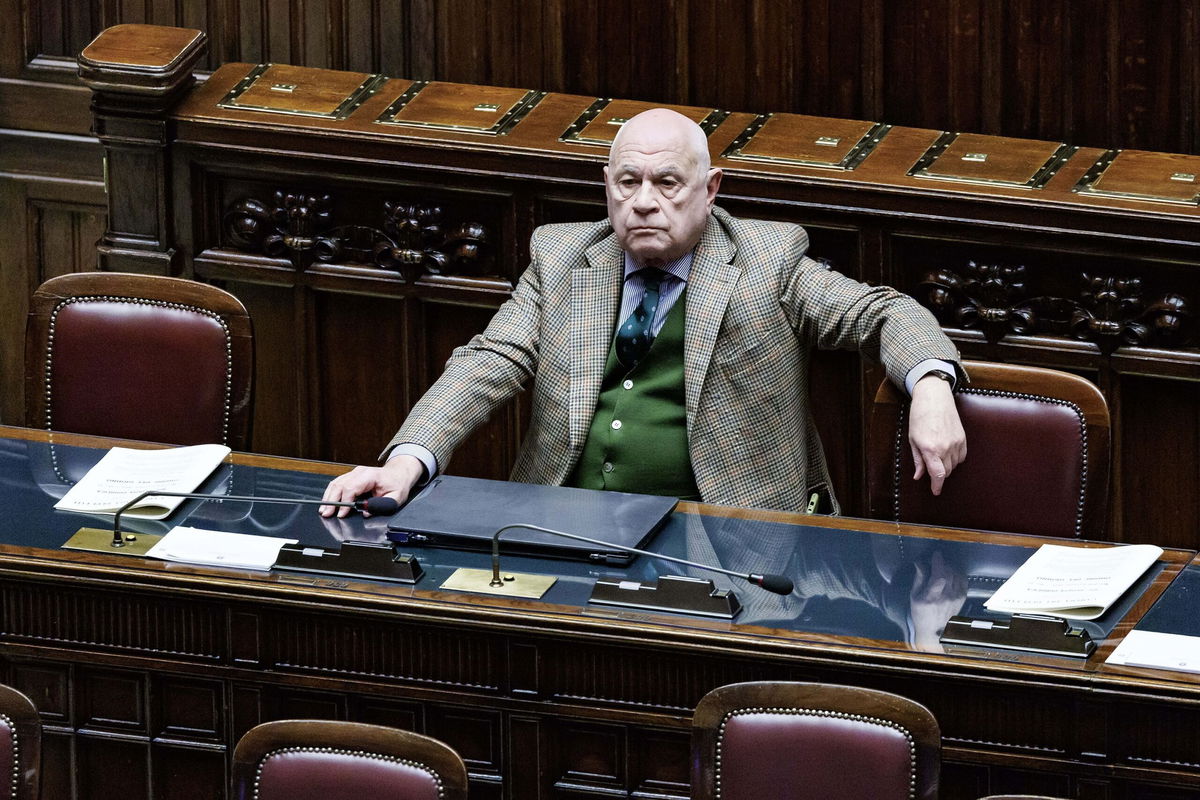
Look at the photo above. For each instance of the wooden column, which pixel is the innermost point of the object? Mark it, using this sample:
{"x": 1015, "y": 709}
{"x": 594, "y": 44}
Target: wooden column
{"x": 137, "y": 73}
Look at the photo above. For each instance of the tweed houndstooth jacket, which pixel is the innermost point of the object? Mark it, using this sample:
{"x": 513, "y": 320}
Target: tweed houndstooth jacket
{"x": 757, "y": 305}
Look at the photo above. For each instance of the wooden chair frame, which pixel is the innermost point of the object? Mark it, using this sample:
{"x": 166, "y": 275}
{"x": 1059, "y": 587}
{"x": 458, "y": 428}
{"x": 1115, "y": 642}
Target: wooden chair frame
{"x": 374, "y": 740}
{"x": 19, "y": 715}
{"x": 911, "y": 717}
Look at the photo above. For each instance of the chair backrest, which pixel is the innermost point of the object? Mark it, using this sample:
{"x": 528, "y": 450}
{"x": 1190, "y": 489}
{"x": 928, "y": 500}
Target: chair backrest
{"x": 327, "y": 760}
{"x": 802, "y": 741}
{"x": 139, "y": 357}
{"x": 1037, "y": 455}
{"x": 20, "y": 746}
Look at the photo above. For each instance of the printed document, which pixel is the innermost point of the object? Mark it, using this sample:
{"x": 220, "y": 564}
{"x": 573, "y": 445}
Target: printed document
{"x": 123, "y": 474}
{"x": 1073, "y": 582}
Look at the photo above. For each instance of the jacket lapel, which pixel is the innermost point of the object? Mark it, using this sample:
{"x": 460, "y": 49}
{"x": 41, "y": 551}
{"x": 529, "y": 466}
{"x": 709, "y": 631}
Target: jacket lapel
{"x": 710, "y": 285}
{"x": 595, "y": 289}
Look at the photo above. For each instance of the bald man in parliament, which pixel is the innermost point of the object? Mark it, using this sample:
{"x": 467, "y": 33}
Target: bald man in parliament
{"x": 668, "y": 349}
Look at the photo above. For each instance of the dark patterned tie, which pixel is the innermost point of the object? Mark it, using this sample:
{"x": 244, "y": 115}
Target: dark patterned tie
{"x": 634, "y": 337}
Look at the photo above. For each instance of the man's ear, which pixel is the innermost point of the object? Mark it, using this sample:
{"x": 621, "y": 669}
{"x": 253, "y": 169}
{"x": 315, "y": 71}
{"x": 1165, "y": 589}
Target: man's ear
{"x": 712, "y": 184}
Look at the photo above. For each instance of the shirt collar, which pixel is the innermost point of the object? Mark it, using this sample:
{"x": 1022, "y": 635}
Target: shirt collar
{"x": 680, "y": 268}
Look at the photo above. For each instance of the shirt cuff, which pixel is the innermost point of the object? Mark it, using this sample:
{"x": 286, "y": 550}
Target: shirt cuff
{"x": 420, "y": 453}
{"x": 924, "y": 368}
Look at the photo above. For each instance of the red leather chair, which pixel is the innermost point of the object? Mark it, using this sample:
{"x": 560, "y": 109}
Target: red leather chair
{"x": 20, "y": 746}
{"x": 139, "y": 357}
{"x": 812, "y": 741}
{"x": 326, "y": 760}
{"x": 1037, "y": 456}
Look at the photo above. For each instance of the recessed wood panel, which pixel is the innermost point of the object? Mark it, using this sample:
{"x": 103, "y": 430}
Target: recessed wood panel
{"x": 1155, "y": 456}
{"x": 475, "y": 733}
{"x": 111, "y": 769}
{"x": 48, "y": 686}
{"x": 188, "y": 710}
{"x": 112, "y": 701}
{"x": 363, "y": 357}
{"x": 189, "y": 775}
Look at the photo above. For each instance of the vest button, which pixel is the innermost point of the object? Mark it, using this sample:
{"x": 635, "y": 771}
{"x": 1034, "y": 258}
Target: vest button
{"x": 616, "y": 425}
{"x": 628, "y": 384}
{"x": 608, "y": 467}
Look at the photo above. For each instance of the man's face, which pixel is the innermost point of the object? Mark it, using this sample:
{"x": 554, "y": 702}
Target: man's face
{"x": 658, "y": 197}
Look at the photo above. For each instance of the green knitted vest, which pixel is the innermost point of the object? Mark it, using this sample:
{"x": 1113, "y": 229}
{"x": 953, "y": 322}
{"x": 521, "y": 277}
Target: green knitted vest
{"x": 638, "y": 439}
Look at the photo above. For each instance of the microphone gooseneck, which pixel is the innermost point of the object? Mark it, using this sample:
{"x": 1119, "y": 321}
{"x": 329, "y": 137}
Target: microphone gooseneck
{"x": 378, "y": 506}
{"x": 779, "y": 584}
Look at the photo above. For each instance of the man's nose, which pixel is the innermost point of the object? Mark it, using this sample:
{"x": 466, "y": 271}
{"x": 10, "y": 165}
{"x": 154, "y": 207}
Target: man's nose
{"x": 645, "y": 199}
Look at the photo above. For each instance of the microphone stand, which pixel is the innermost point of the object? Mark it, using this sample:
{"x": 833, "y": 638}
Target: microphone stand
{"x": 374, "y": 505}
{"x": 779, "y": 584}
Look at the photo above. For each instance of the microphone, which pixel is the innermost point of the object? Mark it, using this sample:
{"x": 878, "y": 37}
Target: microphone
{"x": 379, "y": 506}
{"x": 779, "y": 584}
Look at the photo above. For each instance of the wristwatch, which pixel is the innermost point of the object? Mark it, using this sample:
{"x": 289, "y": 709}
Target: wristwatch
{"x": 941, "y": 373}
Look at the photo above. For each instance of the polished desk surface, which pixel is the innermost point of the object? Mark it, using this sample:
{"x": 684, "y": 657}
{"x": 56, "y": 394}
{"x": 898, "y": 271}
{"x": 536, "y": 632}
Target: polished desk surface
{"x": 862, "y": 586}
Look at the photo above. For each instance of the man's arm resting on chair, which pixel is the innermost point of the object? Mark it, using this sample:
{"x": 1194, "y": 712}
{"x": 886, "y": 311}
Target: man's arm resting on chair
{"x": 935, "y": 432}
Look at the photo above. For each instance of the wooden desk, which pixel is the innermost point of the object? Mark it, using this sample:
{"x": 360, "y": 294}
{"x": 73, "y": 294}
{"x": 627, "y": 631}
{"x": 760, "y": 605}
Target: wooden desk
{"x": 147, "y": 673}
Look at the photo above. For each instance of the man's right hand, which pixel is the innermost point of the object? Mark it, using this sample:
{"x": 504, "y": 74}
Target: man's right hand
{"x": 394, "y": 479}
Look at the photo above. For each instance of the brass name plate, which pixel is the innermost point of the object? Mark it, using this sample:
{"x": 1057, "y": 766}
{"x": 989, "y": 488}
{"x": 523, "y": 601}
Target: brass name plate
{"x": 301, "y": 91}
{"x": 1140, "y": 175}
{"x": 992, "y": 160}
{"x": 490, "y": 110}
{"x": 797, "y": 140}
{"x": 599, "y": 122}
{"x": 513, "y": 584}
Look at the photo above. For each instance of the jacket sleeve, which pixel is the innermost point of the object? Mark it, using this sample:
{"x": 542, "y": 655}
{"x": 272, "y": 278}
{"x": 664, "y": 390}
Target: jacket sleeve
{"x": 831, "y": 311}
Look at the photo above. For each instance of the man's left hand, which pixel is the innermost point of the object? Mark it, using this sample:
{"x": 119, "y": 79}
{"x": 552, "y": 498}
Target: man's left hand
{"x": 935, "y": 432}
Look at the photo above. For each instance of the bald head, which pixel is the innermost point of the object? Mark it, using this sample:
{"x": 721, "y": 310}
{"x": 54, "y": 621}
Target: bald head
{"x": 660, "y": 185}
{"x": 665, "y": 126}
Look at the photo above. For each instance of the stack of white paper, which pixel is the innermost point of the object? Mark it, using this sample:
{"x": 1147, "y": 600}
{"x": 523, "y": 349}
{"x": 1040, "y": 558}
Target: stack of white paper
{"x": 1158, "y": 650}
{"x": 218, "y": 548}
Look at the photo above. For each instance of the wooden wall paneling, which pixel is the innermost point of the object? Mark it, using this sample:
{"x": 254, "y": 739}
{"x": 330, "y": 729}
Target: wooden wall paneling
{"x": 188, "y": 774}
{"x": 1148, "y": 73}
{"x": 491, "y": 450}
{"x": 51, "y": 229}
{"x": 360, "y": 365}
{"x": 527, "y": 747}
{"x": 278, "y": 376}
{"x": 1092, "y": 88}
{"x": 318, "y": 33}
{"x": 420, "y": 34}
{"x": 280, "y": 34}
{"x": 359, "y": 22}
{"x": 1103, "y": 73}
{"x": 964, "y": 56}
{"x": 1159, "y": 475}
{"x": 478, "y": 736}
{"x": 1189, "y": 94}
